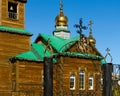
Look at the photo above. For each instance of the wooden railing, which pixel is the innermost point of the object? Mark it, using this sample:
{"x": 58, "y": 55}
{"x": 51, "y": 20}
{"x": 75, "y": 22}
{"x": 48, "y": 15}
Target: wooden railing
{"x": 12, "y": 15}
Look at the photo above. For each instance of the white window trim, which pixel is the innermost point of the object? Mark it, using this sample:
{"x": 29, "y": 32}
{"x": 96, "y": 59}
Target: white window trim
{"x": 92, "y": 86}
{"x": 73, "y": 77}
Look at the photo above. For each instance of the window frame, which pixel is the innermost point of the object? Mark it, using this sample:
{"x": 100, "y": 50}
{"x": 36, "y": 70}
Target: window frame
{"x": 13, "y": 15}
{"x": 82, "y": 77}
{"x": 73, "y": 78}
{"x": 91, "y": 82}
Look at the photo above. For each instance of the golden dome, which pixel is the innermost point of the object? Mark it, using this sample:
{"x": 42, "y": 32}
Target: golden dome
{"x": 61, "y": 19}
{"x": 91, "y": 39}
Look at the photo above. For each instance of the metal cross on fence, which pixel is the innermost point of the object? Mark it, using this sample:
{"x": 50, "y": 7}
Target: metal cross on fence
{"x": 108, "y": 54}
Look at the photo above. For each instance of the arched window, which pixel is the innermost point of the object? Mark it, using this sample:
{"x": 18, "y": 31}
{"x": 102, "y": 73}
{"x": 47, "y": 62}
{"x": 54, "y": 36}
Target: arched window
{"x": 82, "y": 79}
{"x": 72, "y": 81}
{"x": 90, "y": 82}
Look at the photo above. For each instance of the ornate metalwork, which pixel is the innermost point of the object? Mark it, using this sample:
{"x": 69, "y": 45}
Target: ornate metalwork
{"x": 108, "y": 54}
{"x": 116, "y": 80}
{"x": 80, "y": 27}
{"x": 83, "y": 41}
{"x": 116, "y": 72}
{"x": 48, "y": 47}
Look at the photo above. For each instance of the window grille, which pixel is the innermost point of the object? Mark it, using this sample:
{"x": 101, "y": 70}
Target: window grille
{"x": 90, "y": 81}
{"x": 82, "y": 79}
{"x": 72, "y": 82}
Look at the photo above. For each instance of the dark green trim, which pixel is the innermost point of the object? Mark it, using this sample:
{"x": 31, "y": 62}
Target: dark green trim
{"x": 15, "y": 30}
{"x": 84, "y": 55}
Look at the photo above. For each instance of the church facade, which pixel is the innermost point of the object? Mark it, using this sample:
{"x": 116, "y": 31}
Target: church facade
{"x": 76, "y": 69}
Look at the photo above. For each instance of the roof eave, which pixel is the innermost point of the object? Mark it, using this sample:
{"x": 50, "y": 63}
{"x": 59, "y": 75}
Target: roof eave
{"x": 23, "y": 59}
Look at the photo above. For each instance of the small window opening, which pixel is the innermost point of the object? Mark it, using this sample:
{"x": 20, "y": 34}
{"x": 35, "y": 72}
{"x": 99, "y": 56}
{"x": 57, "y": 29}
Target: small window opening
{"x": 12, "y": 10}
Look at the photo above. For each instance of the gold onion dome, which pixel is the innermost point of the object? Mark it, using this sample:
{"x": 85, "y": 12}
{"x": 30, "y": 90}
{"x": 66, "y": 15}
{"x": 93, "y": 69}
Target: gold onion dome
{"x": 61, "y": 19}
{"x": 91, "y": 39}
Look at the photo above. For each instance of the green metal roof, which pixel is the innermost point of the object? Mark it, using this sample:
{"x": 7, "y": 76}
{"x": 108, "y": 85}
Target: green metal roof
{"x": 35, "y": 54}
{"x": 14, "y": 30}
{"x": 76, "y": 54}
{"x": 38, "y": 50}
{"x": 103, "y": 62}
{"x": 28, "y": 56}
{"x": 59, "y": 44}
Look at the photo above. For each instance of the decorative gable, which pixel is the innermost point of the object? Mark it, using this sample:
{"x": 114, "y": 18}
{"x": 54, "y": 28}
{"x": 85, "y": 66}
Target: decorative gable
{"x": 85, "y": 48}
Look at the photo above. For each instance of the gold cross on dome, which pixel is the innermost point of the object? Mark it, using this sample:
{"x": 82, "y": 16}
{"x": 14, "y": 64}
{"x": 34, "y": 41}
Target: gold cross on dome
{"x": 90, "y": 24}
{"x": 61, "y": 5}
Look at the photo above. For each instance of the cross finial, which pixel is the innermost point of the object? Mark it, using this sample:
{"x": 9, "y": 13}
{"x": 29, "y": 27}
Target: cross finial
{"x": 108, "y": 54}
{"x": 61, "y": 6}
{"x": 108, "y": 50}
{"x": 90, "y": 24}
{"x": 80, "y": 26}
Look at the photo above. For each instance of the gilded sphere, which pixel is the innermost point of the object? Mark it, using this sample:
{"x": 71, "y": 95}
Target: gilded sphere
{"x": 92, "y": 40}
{"x": 61, "y": 20}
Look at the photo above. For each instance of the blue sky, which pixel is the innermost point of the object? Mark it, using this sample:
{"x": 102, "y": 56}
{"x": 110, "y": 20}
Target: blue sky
{"x": 40, "y": 18}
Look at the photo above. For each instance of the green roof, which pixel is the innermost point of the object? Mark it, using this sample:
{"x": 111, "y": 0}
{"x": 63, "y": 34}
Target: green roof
{"x": 85, "y": 55}
{"x": 103, "y": 62}
{"x": 35, "y": 54}
{"x": 28, "y": 56}
{"x": 39, "y": 49}
{"x": 59, "y": 44}
{"x": 14, "y": 30}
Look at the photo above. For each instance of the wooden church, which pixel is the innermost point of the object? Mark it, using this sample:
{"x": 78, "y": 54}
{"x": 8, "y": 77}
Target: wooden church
{"x": 76, "y": 69}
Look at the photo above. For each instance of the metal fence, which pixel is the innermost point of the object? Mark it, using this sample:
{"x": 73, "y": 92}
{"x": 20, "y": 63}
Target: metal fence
{"x": 116, "y": 80}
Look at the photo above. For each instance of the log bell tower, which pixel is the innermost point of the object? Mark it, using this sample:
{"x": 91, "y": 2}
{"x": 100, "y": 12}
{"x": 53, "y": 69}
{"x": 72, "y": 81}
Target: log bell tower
{"x": 14, "y": 39}
{"x": 12, "y": 13}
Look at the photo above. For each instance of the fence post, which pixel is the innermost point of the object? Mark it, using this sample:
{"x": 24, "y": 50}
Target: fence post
{"x": 48, "y": 76}
{"x": 107, "y": 79}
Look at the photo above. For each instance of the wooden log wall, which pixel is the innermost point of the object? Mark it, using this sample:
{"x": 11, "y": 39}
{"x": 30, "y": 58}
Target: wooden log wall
{"x": 91, "y": 67}
{"x": 10, "y": 45}
{"x": 29, "y": 76}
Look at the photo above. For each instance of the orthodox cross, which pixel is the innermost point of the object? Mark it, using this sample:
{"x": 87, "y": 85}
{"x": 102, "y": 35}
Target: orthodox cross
{"x": 108, "y": 54}
{"x": 90, "y": 24}
{"x": 61, "y": 6}
{"x": 80, "y": 26}
{"x": 108, "y": 51}
{"x": 82, "y": 43}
